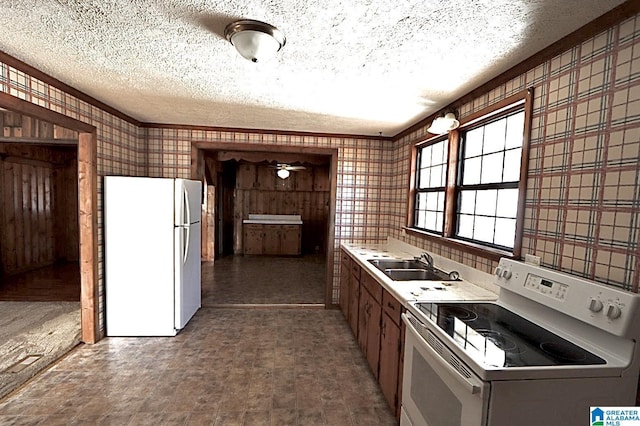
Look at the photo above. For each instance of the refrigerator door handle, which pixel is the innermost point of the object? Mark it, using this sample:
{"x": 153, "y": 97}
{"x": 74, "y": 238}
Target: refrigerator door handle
{"x": 186, "y": 245}
{"x": 187, "y": 206}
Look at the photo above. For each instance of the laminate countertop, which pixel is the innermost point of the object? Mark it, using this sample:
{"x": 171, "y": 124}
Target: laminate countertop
{"x": 474, "y": 284}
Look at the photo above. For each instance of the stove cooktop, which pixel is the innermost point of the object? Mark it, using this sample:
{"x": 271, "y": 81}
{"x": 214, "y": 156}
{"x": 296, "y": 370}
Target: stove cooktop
{"x": 496, "y": 337}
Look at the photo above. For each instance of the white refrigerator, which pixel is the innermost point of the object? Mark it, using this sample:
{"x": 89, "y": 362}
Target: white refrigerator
{"x": 152, "y": 254}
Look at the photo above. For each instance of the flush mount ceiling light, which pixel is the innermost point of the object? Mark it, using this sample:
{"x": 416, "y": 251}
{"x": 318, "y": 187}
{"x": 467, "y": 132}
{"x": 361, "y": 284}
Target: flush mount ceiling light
{"x": 442, "y": 125}
{"x": 254, "y": 40}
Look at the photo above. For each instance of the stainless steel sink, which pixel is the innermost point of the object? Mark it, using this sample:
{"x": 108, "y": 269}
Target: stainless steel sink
{"x": 416, "y": 274}
{"x": 383, "y": 264}
{"x": 411, "y": 270}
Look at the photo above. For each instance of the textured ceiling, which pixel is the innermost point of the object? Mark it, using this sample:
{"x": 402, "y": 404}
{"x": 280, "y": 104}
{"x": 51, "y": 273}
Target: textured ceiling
{"x": 352, "y": 67}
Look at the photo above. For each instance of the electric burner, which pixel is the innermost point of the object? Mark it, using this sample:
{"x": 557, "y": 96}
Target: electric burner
{"x": 560, "y": 350}
{"x": 497, "y": 337}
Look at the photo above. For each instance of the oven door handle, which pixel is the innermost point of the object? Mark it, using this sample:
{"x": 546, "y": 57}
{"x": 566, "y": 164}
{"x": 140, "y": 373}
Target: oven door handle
{"x": 412, "y": 324}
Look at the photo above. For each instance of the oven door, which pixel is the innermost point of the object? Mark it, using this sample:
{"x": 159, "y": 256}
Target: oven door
{"x": 434, "y": 392}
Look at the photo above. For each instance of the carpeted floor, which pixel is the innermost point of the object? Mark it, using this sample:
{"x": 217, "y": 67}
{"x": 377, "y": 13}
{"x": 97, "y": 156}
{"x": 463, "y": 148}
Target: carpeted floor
{"x": 47, "y": 330}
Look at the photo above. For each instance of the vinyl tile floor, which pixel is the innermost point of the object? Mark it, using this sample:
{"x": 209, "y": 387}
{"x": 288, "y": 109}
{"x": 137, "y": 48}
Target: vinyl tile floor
{"x": 241, "y": 279}
{"x": 227, "y": 367}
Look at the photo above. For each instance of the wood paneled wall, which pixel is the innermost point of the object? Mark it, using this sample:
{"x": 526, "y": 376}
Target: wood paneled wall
{"x": 17, "y": 126}
{"x": 39, "y": 214}
{"x": 305, "y": 192}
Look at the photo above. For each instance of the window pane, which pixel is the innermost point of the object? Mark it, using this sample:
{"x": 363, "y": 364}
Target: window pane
{"x": 507, "y": 203}
{"x": 483, "y": 229}
{"x": 432, "y": 201}
{"x": 505, "y": 232}
{"x": 472, "y": 171}
{"x": 430, "y": 220}
{"x": 467, "y": 202}
{"x": 436, "y": 177}
{"x": 441, "y": 202}
{"x": 425, "y": 157}
{"x": 512, "y": 159}
{"x": 465, "y": 226}
{"x": 439, "y": 223}
{"x": 494, "y": 134}
{"x": 437, "y": 152}
{"x": 515, "y": 128}
{"x": 486, "y": 202}
{"x": 423, "y": 181}
{"x": 473, "y": 143}
{"x": 492, "y": 168}
{"x": 422, "y": 201}
{"x": 420, "y": 219}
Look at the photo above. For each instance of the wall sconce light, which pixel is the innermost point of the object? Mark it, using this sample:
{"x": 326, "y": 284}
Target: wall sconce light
{"x": 283, "y": 173}
{"x": 442, "y": 125}
{"x": 254, "y": 40}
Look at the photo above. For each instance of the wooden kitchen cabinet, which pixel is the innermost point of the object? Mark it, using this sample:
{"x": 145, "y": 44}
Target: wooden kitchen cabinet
{"x": 345, "y": 275}
{"x": 391, "y": 351}
{"x": 354, "y": 297}
{"x": 369, "y": 320}
{"x": 290, "y": 240}
{"x": 277, "y": 240}
{"x": 253, "y": 239}
{"x": 374, "y": 316}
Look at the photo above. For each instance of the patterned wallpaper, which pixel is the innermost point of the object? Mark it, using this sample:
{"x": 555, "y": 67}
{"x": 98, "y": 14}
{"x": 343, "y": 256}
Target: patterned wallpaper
{"x": 363, "y": 201}
{"x": 121, "y": 145}
{"x": 583, "y": 198}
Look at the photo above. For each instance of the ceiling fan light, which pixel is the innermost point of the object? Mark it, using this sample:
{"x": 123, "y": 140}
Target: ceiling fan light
{"x": 283, "y": 173}
{"x": 254, "y": 40}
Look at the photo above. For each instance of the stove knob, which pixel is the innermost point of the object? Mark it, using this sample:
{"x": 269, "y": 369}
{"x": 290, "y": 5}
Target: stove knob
{"x": 595, "y": 305}
{"x": 498, "y": 272}
{"x": 506, "y": 274}
{"x": 613, "y": 311}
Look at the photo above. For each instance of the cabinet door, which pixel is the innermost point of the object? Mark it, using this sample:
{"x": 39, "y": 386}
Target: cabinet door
{"x": 290, "y": 240}
{"x": 345, "y": 274}
{"x": 354, "y": 303}
{"x": 272, "y": 239}
{"x": 363, "y": 319}
{"x": 373, "y": 335}
{"x": 390, "y": 345}
{"x": 253, "y": 239}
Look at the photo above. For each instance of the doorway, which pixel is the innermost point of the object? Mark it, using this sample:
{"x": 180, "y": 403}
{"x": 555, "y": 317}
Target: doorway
{"x": 246, "y": 184}
{"x": 87, "y": 212}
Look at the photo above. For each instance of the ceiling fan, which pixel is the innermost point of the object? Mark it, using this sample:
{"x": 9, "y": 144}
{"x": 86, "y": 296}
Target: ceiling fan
{"x": 285, "y": 169}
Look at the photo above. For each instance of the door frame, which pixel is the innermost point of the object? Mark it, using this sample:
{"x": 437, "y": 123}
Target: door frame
{"x": 197, "y": 172}
{"x": 87, "y": 206}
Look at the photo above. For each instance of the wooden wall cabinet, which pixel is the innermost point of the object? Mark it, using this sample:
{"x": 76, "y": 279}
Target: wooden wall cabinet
{"x": 276, "y": 240}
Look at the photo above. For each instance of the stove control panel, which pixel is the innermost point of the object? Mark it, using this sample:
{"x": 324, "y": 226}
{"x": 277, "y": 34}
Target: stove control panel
{"x": 609, "y": 308}
{"x": 547, "y": 287}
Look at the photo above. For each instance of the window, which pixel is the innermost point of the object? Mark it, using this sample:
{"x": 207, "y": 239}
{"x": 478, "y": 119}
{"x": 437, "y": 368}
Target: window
{"x": 430, "y": 186}
{"x": 468, "y": 186}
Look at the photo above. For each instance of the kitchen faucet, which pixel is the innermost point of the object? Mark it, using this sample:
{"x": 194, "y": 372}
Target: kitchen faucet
{"x": 428, "y": 259}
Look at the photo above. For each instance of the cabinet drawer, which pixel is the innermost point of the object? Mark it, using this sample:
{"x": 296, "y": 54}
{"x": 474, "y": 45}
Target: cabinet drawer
{"x": 355, "y": 271}
{"x": 345, "y": 258}
{"x": 391, "y": 306}
{"x": 372, "y": 286}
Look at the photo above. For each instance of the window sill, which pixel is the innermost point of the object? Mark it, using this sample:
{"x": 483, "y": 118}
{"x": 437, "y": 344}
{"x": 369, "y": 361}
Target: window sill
{"x": 477, "y": 249}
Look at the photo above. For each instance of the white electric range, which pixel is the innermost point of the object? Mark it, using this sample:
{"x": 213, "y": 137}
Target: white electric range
{"x": 548, "y": 349}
